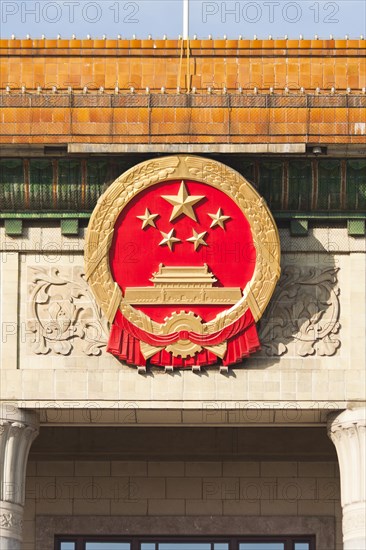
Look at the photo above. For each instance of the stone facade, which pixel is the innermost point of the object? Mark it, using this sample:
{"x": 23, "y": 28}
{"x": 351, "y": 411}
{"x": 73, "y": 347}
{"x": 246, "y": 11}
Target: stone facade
{"x": 294, "y": 381}
{"x": 243, "y": 450}
{"x": 309, "y": 354}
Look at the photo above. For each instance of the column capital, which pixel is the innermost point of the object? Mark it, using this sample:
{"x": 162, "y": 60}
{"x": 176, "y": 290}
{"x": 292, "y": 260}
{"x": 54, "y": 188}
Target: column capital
{"x": 18, "y": 429}
{"x": 347, "y": 430}
{"x": 350, "y": 418}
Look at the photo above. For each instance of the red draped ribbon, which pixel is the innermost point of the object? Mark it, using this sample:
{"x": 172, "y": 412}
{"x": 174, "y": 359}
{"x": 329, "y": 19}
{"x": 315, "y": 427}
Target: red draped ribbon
{"x": 241, "y": 336}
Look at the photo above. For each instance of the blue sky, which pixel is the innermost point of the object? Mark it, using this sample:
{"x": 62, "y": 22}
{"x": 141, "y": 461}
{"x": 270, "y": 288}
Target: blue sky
{"x": 164, "y": 17}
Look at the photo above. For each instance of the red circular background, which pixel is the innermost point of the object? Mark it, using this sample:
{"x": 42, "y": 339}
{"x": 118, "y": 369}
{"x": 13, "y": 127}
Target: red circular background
{"x": 135, "y": 253}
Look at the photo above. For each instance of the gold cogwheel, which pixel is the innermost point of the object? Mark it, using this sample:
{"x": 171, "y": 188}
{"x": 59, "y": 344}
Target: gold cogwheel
{"x": 183, "y": 322}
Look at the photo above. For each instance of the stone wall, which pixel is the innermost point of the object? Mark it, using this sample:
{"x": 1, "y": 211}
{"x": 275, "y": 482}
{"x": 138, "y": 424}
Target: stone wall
{"x": 129, "y": 492}
{"x": 312, "y": 362}
{"x": 54, "y": 336}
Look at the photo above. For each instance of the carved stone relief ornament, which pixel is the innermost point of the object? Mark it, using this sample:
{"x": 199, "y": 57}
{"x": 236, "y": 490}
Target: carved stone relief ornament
{"x": 11, "y": 521}
{"x": 182, "y": 256}
{"x": 304, "y": 311}
{"x": 63, "y": 313}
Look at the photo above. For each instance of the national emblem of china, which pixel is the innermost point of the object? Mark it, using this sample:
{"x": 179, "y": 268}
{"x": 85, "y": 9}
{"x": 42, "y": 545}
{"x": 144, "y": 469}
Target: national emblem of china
{"x": 182, "y": 255}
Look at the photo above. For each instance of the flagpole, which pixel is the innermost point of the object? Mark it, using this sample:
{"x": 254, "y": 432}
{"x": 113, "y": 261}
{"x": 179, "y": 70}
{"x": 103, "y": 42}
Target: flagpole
{"x": 185, "y": 19}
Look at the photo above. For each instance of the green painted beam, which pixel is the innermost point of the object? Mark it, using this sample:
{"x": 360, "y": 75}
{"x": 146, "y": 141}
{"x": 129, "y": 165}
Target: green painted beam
{"x": 344, "y": 215}
{"x": 69, "y": 226}
{"x": 14, "y": 228}
{"x": 280, "y": 215}
{"x": 299, "y": 228}
{"x": 45, "y": 215}
{"x": 356, "y": 228}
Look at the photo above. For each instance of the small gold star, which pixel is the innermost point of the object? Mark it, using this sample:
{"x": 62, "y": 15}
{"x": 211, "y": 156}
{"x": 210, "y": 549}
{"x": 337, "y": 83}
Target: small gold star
{"x": 219, "y": 219}
{"x": 169, "y": 239}
{"x": 197, "y": 239}
{"x": 183, "y": 203}
{"x": 147, "y": 219}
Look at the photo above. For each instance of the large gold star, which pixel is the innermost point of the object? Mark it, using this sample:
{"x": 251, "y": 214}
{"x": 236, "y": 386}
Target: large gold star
{"x": 169, "y": 239}
{"x": 219, "y": 219}
{"x": 183, "y": 203}
{"x": 147, "y": 219}
{"x": 197, "y": 239}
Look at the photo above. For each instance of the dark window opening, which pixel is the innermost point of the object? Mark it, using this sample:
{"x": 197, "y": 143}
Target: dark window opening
{"x": 185, "y": 543}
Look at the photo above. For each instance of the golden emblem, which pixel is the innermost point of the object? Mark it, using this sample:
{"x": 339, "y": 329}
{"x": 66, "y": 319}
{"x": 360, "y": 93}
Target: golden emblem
{"x": 182, "y": 285}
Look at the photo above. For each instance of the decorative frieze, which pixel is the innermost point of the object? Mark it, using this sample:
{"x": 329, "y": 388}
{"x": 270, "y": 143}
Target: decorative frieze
{"x": 302, "y": 318}
{"x": 11, "y": 520}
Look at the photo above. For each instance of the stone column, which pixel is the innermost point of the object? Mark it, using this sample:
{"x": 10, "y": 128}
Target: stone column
{"x": 347, "y": 431}
{"x": 17, "y": 431}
